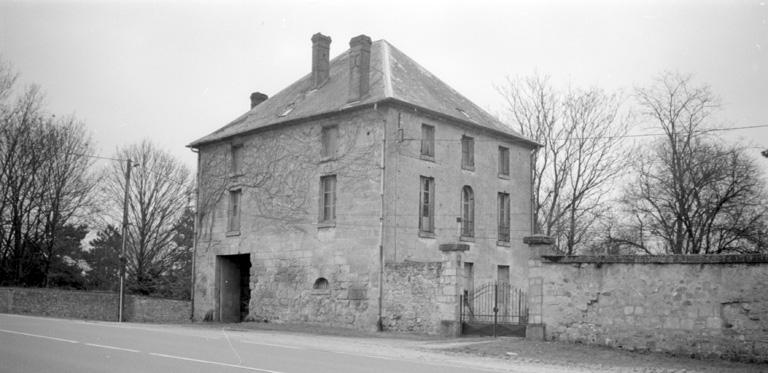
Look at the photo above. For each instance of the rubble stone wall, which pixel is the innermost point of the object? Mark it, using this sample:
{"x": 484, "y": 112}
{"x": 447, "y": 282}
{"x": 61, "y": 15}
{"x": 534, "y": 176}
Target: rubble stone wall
{"x": 91, "y": 305}
{"x": 689, "y": 305}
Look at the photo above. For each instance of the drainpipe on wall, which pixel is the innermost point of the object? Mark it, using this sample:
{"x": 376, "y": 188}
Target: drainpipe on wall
{"x": 194, "y": 239}
{"x": 533, "y": 197}
{"x": 379, "y": 322}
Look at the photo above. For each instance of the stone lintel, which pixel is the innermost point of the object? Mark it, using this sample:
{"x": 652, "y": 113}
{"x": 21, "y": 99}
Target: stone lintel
{"x": 448, "y": 247}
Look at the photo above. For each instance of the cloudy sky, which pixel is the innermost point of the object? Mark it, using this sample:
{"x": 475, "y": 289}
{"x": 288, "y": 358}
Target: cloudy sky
{"x": 175, "y": 71}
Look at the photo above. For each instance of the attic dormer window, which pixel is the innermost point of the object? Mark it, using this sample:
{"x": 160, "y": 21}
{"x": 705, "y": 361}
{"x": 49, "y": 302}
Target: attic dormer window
{"x": 288, "y": 110}
{"x": 463, "y": 112}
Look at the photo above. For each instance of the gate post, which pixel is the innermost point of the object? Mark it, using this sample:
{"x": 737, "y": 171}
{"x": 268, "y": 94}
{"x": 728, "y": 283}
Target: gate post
{"x": 540, "y": 245}
{"x": 451, "y": 280}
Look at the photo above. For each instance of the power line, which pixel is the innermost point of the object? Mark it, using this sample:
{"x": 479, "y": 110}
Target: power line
{"x": 611, "y": 137}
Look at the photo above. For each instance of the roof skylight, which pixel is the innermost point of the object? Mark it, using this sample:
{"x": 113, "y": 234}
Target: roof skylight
{"x": 463, "y": 112}
{"x": 288, "y": 110}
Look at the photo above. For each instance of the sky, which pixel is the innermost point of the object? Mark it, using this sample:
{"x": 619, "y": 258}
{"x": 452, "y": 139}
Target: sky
{"x": 173, "y": 71}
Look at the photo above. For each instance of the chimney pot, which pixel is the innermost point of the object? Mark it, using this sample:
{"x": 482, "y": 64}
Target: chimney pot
{"x": 321, "y": 66}
{"x": 257, "y": 98}
{"x": 359, "y": 67}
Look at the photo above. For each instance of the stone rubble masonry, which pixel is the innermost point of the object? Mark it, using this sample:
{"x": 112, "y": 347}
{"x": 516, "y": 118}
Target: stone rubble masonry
{"x": 423, "y": 297}
{"x": 690, "y": 305}
{"x": 91, "y": 305}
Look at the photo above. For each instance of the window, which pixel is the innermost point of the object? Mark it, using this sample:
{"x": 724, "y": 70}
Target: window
{"x": 427, "y": 205}
{"x": 233, "y": 223}
{"x": 467, "y": 212}
{"x": 467, "y": 153}
{"x": 237, "y": 159}
{"x": 329, "y": 138}
{"x": 428, "y": 140}
{"x": 328, "y": 199}
{"x": 504, "y": 217}
{"x": 503, "y": 161}
{"x": 320, "y": 284}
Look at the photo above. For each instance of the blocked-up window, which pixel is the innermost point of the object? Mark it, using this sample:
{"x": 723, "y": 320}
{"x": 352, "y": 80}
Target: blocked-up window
{"x": 467, "y": 212}
{"x": 233, "y": 223}
{"x": 327, "y": 199}
{"x": 503, "y": 226}
{"x": 467, "y": 153}
{"x": 427, "y": 205}
{"x": 503, "y": 161}
{"x": 427, "y": 140}
{"x": 236, "y": 167}
{"x": 329, "y": 138}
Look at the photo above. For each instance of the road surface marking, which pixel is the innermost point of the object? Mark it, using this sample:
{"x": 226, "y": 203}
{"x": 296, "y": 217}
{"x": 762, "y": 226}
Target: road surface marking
{"x": 39, "y": 336}
{"x": 270, "y": 344}
{"x": 214, "y": 363}
{"x": 112, "y": 347}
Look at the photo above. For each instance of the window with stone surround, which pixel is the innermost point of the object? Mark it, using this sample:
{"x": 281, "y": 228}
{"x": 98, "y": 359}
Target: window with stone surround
{"x": 327, "y": 199}
{"x": 503, "y": 225}
{"x": 427, "y": 205}
{"x": 329, "y": 136}
{"x": 467, "y": 153}
{"x": 467, "y": 212}
{"x": 427, "y": 141}
{"x": 233, "y": 221}
{"x": 236, "y": 167}
{"x": 503, "y": 161}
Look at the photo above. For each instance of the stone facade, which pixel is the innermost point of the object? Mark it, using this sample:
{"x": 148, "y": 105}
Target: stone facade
{"x": 405, "y": 166}
{"x": 289, "y": 248}
{"x": 292, "y": 263}
{"x": 690, "y": 305}
{"x": 91, "y": 305}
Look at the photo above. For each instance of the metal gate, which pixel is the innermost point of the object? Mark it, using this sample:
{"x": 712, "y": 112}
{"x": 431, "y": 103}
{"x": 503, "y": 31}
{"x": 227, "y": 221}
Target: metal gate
{"x": 494, "y": 308}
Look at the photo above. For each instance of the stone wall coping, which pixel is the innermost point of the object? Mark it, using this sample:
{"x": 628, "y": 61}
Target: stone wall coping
{"x": 538, "y": 239}
{"x": 445, "y": 247}
{"x": 656, "y": 259}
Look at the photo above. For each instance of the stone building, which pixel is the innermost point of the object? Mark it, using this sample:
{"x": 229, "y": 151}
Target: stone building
{"x": 351, "y": 177}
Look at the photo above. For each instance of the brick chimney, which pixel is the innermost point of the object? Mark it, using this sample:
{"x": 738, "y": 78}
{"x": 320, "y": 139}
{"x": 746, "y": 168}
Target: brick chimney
{"x": 321, "y": 66}
{"x": 257, "y": 98}
{"x": 359, "y": 66}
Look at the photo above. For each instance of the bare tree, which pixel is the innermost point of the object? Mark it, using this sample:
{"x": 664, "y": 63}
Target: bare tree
{"x": 581, "y": 132}
{"x": 45, "y": 182}
{"x": 693, "y": 194}
{"x": 160, "y": 190}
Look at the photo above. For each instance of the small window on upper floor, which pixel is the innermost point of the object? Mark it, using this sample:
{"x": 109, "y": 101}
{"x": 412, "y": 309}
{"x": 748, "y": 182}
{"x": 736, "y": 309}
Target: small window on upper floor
{"x": 503, "y": 161}
{"x": 329, "y": 137}
{"x": 427, "y": 141}
{"x": 467, "y": 153}
{"x": 236, "y": 167}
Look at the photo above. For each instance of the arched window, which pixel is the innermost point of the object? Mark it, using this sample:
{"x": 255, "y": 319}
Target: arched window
{"x": 320, "y": 283}
{"x": 467, "y": 212}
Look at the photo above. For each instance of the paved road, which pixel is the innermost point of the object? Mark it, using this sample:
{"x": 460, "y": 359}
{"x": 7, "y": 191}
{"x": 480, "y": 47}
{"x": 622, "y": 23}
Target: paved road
{"x": 37, "y": 344}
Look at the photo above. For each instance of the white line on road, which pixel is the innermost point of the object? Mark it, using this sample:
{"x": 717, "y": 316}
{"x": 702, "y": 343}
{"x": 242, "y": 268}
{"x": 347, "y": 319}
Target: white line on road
{"x": 270, "y": 344}
{"x": 112, "y": 347}
{"x": 39, "y": 336}
{"x": 214, "y": 363}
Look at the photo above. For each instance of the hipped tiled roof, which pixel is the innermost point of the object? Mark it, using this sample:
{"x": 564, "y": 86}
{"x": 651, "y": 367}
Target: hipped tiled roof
{"x": 393, "y": 76}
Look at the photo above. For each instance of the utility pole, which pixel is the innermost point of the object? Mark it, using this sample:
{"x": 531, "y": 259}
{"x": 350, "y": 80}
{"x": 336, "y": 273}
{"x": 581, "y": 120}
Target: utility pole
{"x": 122, "y": 260}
